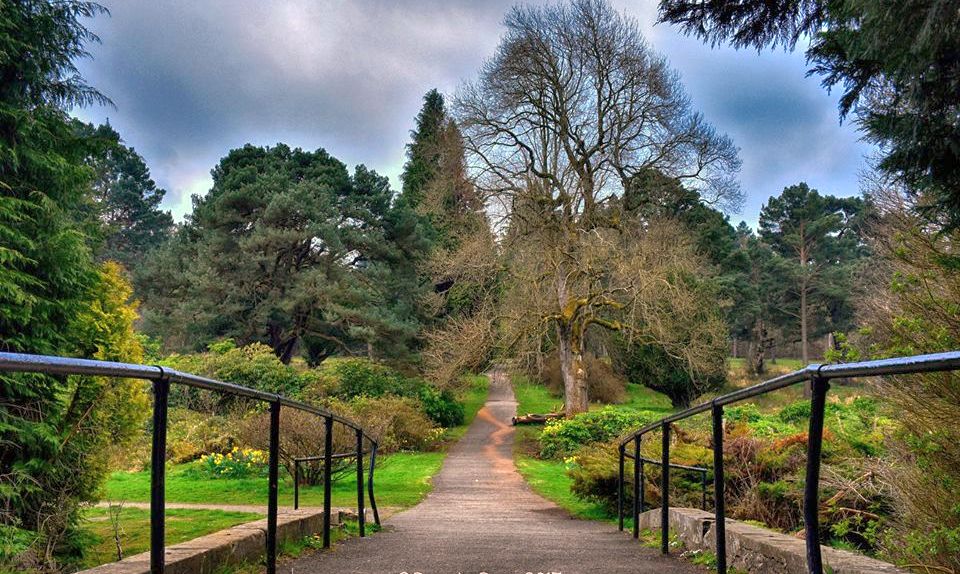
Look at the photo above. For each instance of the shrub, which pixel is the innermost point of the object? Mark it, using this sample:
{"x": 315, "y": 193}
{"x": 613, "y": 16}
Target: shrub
{"x": 396, "y": 422}
{"x": 354, "y": 378}
{"x": 652, "y": 367}
{"x": 563, "y": 437}
{"x": 595, "y": 475}
{"x": 238, "y": 463}
{"x": 362, "y": 377}
{"x": 603, "y": 384}
{"x": 441, "y": 406}
{"x": 254, "y": 366}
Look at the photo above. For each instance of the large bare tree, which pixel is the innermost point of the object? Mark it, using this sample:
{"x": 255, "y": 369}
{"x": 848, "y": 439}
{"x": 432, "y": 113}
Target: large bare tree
{"x": 574, "y": 105}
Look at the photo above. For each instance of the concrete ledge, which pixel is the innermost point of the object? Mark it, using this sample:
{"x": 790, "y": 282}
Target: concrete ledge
{"x": 247, "y": 541}
{"x": 757, "y": 549}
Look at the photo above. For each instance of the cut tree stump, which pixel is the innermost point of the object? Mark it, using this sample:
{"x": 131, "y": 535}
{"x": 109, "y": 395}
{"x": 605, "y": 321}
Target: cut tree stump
{"x": 535, "y": 419}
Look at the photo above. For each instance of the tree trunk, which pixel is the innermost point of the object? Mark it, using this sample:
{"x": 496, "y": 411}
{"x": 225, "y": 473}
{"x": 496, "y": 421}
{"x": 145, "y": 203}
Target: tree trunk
{"x": 804, "y": 351}
{"x": 572, "y": 369}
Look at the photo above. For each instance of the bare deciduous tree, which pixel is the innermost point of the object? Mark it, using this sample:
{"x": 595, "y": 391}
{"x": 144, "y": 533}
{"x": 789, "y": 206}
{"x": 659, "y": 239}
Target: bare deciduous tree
{"x": 573, "y": 105}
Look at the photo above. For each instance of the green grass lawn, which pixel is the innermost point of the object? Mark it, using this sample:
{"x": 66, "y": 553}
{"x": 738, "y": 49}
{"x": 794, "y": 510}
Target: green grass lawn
{"x": 181, "y": 525}
{"x": 536, "y": 398}
{"x": 401, "y": 479}
{"x": 549, "y": 479}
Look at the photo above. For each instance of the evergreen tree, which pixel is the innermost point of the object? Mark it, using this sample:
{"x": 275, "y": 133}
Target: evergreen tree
{"x": 288, "y": 249}
{"x": 423, "y": 151}
{"x": 898, "y": 63}
{"x": 819, "y": 235}
{"x": 54, "y": 431}
{"x": 126, "y": 200}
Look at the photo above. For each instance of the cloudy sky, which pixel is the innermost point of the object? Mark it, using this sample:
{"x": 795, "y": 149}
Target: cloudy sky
{"x": 192, "y": 79}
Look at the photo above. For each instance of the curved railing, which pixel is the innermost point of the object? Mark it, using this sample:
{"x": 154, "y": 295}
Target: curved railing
{"x": 162, "y": 378}
{"x": 818, "y": 376}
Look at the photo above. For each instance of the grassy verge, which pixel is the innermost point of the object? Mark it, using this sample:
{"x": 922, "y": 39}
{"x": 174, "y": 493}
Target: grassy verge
{"x": 401, "y": 479}
{"x": 134, "y": 523}
{"x": 549, "y": 479}
{"x": 473, "y": 396}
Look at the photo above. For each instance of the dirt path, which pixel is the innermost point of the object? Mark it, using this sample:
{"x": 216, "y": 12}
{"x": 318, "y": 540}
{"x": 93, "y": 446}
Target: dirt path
{"x": 482, "y": 517}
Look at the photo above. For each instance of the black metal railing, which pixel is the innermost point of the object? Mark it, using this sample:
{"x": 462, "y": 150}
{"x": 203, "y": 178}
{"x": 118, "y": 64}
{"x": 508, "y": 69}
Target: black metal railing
{"x": 639, "y": 486}
{"x": 161, "y": 379}
{"x": 818, "y": 376}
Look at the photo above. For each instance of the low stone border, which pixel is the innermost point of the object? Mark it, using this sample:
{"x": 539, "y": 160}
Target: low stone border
{"x": 247, "y": 541}
{"x": 758, "y": 550}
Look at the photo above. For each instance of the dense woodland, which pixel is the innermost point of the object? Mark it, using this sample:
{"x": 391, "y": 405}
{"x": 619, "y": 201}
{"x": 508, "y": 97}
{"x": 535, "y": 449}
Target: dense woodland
{"x": 567, "y": 214}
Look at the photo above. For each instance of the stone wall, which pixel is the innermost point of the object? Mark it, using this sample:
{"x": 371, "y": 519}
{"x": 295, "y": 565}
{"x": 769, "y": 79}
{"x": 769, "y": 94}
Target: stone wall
{"x": 758, "y": 550}
{"x": 245, "y": 542}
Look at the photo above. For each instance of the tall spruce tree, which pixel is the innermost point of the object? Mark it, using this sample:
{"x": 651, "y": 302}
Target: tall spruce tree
{"x": 424, "y": 150}
{"x": 54, "y": 431}
{"x": 126, "y": 200}
{"x": 820, "y": 236}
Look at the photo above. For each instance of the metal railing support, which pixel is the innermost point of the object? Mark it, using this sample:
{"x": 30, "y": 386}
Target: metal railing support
{"x": 720, "y": 524}
{"x": 158, "y": 459}
{"x": 620, "y": 490}
{"x": 373, "y": 501}
{"x": 665, "y": 492}
{"x": 327, "y": 471}
{"x": 296, "y": 484}
{"x": 811, "y": 490}
{"x": 637, "y": 487}
{"x": 361, "y": 519}
{"x": 703, "y": 485}
{"x": 272, "y": 486}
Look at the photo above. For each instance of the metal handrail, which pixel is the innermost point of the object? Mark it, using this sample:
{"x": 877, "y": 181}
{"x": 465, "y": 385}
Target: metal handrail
{"x": 161, "y": 378}
{"x": 819, "y": 377}
{"x": 644, "y": 460}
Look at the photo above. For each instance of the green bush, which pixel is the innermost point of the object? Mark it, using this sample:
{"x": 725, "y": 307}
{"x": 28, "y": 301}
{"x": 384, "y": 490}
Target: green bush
{"x": 362, "y": 377}
{"x": 254, "y": 366}
{"x": 654, "y": 368}
{"x": 441, "y": 406}
{"x": 354, "y": 378}
{"x": 596, "y": 474}
{"x": 561, "y": 438}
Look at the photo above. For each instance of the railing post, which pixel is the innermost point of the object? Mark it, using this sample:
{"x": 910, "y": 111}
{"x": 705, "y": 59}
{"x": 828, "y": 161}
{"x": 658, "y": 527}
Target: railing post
{"x": 272, "y": 486}
{"x": 643, "y": 486}
{"x": 327, "y": 471}
{"x": 296, "y": 484}
{"x": 703, "y": 479}
{"x": 811, "y": 491}
{"x": 720, "y": 522}
{"x": 620, "y": 491}
{"x": 158, "y": 459}
{"x": 361, "y": 519}
{"x": 373, "y": 501}
{"x": 665, "y": 492}
{"x": 637, "y": 488}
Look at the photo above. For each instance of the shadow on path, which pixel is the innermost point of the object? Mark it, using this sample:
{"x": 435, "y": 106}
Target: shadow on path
{"x": 482, "y": 517}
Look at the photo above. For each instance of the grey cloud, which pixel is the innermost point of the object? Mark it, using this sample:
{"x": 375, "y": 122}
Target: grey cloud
{"x": 192, "y": 79}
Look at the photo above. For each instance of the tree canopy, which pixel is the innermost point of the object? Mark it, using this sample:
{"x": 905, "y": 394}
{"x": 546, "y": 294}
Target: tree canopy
{"x": 897, "y": 62}
{"x": 289, "y": 249}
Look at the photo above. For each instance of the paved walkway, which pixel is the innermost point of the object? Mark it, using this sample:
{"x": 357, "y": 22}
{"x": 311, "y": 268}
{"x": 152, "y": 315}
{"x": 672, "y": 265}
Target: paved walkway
{"x": 482, "y": 517}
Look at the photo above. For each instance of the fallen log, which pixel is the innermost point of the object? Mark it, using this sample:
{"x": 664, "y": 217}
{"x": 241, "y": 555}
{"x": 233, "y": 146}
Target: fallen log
{"x": 535, "y": 419}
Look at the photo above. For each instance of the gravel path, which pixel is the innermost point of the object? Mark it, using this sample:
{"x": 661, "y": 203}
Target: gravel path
{"x": 482, "y": 517}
